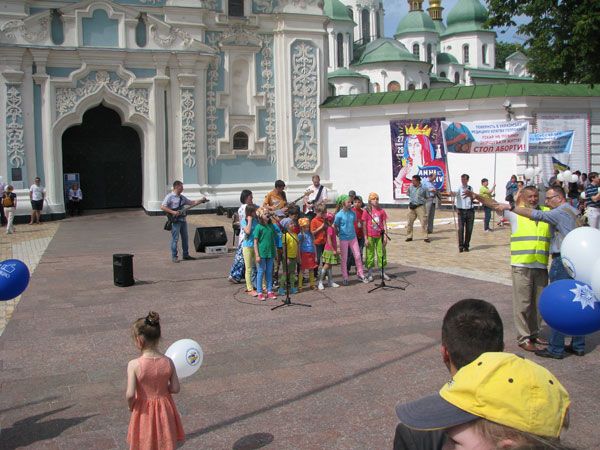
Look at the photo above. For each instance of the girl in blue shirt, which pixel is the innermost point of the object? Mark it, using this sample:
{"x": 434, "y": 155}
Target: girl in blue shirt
{"x": 344, "y": 224}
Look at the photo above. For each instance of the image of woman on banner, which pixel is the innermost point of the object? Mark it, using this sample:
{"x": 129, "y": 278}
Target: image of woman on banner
{"x": 458, "y": 138}
{"x": 418, "y": 152}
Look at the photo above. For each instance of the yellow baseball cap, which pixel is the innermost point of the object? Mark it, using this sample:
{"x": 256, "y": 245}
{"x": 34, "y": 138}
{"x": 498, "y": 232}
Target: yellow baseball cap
{"x": 500, "y": 387}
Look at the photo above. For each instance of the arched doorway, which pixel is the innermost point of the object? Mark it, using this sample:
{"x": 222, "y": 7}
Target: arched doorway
{"x": 108, "y": 158}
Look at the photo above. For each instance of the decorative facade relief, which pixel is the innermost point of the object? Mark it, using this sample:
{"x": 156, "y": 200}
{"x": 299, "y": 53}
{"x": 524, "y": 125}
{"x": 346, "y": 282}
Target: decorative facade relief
{"x": 170, "y": 39}
{"x": 304, "y": 104}
{"x": 212, "y": 86}
{"x": 188, "y": 127}
{"x": 267, "y": 86}
{"x": 68, "y": 98}
{"x": 273, "y": 6}
{"x": 240, "y": 35}
{"x": 30, "y": 35}
{"x": 14, "y": 127}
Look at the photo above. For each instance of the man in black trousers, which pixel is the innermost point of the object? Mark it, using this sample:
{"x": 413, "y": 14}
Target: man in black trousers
{"x": 466, "y": 213}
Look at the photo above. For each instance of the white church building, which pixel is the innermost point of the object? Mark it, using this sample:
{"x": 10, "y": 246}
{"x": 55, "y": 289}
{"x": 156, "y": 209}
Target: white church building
{"x": 126, "y": 96}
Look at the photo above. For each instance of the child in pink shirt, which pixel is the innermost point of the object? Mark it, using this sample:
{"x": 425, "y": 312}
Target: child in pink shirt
{"x": 330, "y": 254}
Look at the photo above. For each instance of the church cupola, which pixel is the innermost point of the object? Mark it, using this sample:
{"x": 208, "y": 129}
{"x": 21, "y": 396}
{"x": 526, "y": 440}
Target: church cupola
{"x": 415, "y": 5}
{"x": 435, "y": 9}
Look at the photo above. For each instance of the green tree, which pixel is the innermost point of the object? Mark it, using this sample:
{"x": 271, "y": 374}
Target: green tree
{"x": 505, "y": 49}
{"x": 562, "y": 36}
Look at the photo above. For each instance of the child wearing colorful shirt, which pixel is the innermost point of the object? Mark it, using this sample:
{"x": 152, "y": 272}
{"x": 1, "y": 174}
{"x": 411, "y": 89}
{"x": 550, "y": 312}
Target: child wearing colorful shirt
{"x": 308, "y": 256}
{"x": 330, "y": 254}
{"x": 264, "y": 250}
{"x": 374, "y": 219}
{"x": 344, "y": 224}
{"x": 290, "y": 250}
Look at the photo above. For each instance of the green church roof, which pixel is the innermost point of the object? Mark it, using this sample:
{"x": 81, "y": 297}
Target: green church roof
{"x": 464, "y": 93}
{"x": 446, "y": 58}
{"x": 415, "y": 22}
{"x": 467, "y": 16}
{"x": 345, "y": 73}
{"x": 439, "y": 26}
{"x": 385, "y": 50}
{"x": 336, "y": 10}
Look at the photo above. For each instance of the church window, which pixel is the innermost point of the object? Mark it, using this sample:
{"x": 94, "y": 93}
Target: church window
{"x": 416, "y": 51}
{"x": 376, "y": 87}
{"x": 366, "y": 26}
{"x": 378, "y": 24}
{"x": 236, "y": 8}
{"x": 340, "y": 50}
{"x": 57, "y": 33}
{"x": 141, "y": 36}
{"x": 429, "y": 55}
{"x": 411, "y": 87}
{"x": 240, "y": 141}
{"x": 393, "y": 86}
{"x": 443, "y": 74}
{"x": 456, "y": 78}
{"x": 484, "y": 52}
{"x": 465, "y": 54}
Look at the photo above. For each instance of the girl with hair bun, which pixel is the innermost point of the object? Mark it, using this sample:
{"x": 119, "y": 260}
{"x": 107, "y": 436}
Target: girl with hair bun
{"x": 151, "y": 379}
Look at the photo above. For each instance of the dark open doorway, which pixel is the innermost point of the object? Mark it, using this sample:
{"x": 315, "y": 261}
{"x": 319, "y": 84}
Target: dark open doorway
{"x": 108, "y": 158}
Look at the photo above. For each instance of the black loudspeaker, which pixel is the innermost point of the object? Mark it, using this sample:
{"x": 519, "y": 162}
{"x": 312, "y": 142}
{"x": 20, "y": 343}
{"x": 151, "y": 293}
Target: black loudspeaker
{"x": 123, "y": 269}
{"x": 208, "y": 237}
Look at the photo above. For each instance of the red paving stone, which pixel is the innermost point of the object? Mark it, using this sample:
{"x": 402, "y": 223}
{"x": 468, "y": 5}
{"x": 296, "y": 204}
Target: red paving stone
{"x": 295, "y": 378}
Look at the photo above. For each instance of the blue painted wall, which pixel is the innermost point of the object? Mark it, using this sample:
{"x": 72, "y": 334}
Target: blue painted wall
{"x": 241, "y": 170}
{"x": 99, "y": 30}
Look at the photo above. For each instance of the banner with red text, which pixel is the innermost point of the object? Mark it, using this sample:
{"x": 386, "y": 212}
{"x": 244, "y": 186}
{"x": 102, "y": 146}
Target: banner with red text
{"x": 486, "y": 137}
{"x": 417, "y": 149}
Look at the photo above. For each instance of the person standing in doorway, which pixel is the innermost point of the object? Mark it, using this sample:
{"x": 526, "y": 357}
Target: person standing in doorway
{"x": 173, "y": 204}
{"x": 75, "y": 197}
{"x": 37, "y": 195}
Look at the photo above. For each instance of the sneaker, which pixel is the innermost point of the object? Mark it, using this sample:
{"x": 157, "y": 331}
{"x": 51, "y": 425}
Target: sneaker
{"x": 293, "y": 290}
{"x": 408, "y": 239}
{"x": 333, "y": 284}
{"x": 233, "y": 280}
{"x": 370, "y": 278}
{"x": 281, "y": 291}
{"x": 175, "y": 260}
{"x": 345, "y": 282}
{"x": 530, "y": 346}
{"x": 320, "y": 286}
{"x": 364, "y": 279}
{"x": 386, "y": 277}
{"x": 271, "y": 295}
{"x": 427, "y": 240}
{"x": 261, "y": 296}
{"x": 189, "y": 258}
{"x": 252, "y": 293}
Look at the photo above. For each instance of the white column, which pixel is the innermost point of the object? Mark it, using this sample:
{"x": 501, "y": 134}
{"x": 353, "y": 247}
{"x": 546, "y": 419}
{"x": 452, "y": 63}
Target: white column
{"x": 332, "y": 51}
{"x": 348, "y": 49}
{"x": 201, "y": 143}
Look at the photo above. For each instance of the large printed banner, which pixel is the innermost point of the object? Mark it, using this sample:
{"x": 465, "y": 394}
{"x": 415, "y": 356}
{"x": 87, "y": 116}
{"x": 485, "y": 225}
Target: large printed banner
{"x": 417, "y": 149}
{"x": 550, "y": 142}
{"x": 486, "y": 137}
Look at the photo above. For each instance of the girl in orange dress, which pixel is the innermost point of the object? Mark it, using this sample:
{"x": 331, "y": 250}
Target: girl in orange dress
{"x": 151, "y": 379}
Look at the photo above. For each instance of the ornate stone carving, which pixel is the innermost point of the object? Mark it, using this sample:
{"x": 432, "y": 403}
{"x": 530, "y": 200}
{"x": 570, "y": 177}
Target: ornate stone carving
{"x": 188, "y": 127}
{"x": 30, "y": 35}
{"x": 68, "y": 98}
{"x": 271, "y": 6}
{"x": 212, "y": 84}
{"x": 170, "y": 39}
{"x": 239, "y": 35}
{"x": 304, "y": 104}
{"x": 268, "y": 87}
{"x": 14, "y": 127}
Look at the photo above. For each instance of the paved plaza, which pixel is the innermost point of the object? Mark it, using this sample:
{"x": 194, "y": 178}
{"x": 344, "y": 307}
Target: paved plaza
{"x": 295, "y": 378}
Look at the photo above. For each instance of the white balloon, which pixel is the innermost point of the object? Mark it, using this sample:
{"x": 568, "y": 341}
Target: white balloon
{"x": 582, "y": 195}
{"x": 579, "y": 252}
{"x": 186, "y": 355}
{"x": 567, "y": 175}
{"x": 529, "y": 172}
{"x": 537, "y": 170}
{"x": 574, "y": 178}
{"x": 560, "y": 177}
{"x": 596, "y": 278}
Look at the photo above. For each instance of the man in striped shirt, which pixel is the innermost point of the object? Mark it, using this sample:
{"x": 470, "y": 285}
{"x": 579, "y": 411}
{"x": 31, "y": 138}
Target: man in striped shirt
{"x": 593, "y": 200}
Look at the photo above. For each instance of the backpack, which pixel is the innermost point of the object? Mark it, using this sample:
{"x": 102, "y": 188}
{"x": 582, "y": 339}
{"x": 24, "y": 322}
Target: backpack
{"x": 7, "y": 201}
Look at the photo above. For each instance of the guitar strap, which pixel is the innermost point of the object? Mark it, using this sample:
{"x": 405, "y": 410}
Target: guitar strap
{"x": 318, "y": 194}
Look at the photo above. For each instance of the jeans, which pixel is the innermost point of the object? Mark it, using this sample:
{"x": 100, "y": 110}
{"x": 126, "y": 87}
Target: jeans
{"x": 265, "y": 269}
{"x": 179, "y": 228}
{"x": 557, "y": 339}
{"x": 430, "y": 209}
{"x": 466, "y": 218}
{"x": 487, "y": 217}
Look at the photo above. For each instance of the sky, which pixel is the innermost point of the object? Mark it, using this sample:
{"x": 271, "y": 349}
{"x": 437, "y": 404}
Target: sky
{"x": 395, "y": 10}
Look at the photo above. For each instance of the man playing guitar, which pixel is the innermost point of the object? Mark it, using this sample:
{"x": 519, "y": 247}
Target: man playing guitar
{"x": 176, "y": 205}
{"x": 318, "y": 195}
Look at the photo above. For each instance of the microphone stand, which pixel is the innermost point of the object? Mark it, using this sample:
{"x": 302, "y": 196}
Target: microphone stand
{"x": 381, "y": 285}
{"x": 287, "y": 301}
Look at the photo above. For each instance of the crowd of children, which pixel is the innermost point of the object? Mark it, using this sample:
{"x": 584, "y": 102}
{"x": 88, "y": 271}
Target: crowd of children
{"x": 280, "y": 253}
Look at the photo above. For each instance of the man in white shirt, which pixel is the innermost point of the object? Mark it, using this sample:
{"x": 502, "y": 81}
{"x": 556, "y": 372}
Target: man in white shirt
{"x": 37, "y": 194}
{"x": 466, "y": 213}
{"x": 317, "y": 196}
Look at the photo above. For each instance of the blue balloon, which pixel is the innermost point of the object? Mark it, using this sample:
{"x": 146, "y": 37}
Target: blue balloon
{"x": 569, "y": 306}
{"x": 14, "y": 278}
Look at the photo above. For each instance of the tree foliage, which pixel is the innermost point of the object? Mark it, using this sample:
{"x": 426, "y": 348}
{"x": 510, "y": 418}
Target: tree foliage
{"x": 505, "y": 49}
{"x": 562, "y": 36}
